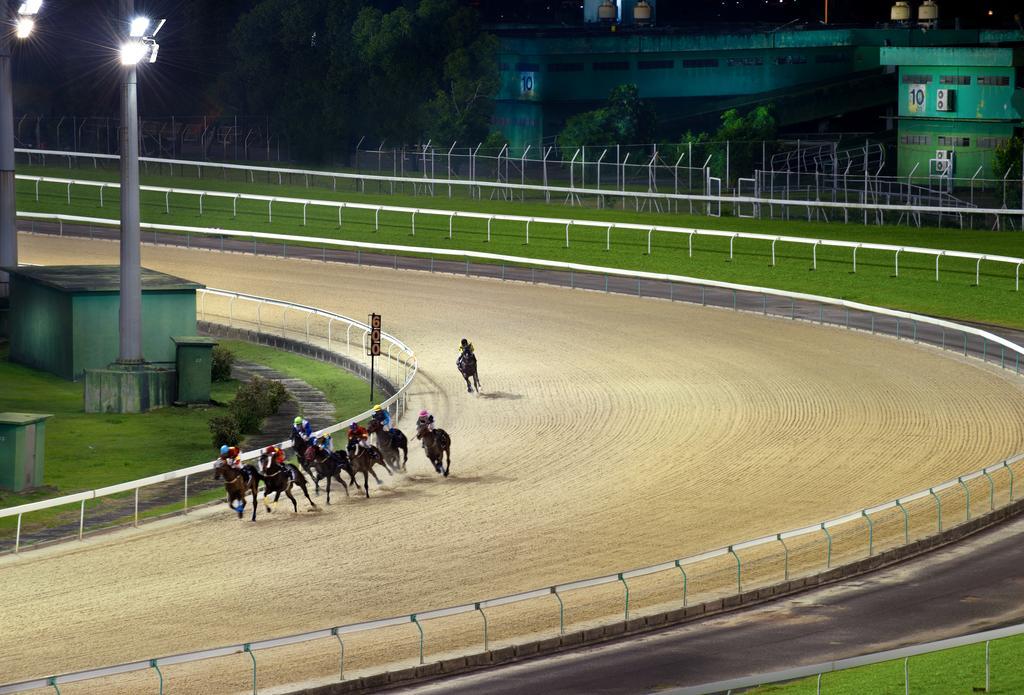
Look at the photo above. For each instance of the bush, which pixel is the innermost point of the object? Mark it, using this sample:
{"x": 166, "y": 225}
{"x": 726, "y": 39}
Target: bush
{"x": 223, "y": 361}
{"x": 224, "y": 430}
{"x": 254, "y": 401}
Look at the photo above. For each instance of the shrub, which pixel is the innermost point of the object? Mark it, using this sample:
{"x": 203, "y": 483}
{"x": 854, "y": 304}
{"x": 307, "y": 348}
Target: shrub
{"x": 223, "y": 361}
{"x": 256, "y": 400}
{"x": 224, "y": 430}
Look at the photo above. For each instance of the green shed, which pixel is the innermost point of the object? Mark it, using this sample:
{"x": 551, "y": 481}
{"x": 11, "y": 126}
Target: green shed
{"x": 22, "y": 438}
{"x": 64, "y": 319}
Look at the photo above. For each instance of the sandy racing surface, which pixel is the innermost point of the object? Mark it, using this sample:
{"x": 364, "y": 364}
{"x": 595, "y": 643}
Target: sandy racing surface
{"x": 613, "y": 433}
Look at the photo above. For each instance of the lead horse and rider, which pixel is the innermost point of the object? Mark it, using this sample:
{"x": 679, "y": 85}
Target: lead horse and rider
{"x": 467, "y": 365}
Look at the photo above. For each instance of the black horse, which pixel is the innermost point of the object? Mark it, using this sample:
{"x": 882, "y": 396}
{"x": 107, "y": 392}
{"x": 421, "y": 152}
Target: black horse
{"x": 467, "y": 368}
{"x": 278, "y": 478}
{"x": 299, "y": 446}
{"x": 324, "y": 465}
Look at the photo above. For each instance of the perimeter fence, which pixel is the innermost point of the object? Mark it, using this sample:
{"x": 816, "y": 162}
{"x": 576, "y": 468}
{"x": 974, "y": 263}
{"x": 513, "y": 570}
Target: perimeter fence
{"x": 733, "y": 570}
{"x": 880, "y": 202}
{"x": 299, "y": 328}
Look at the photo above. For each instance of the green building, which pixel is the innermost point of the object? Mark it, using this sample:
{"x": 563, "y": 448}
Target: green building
{"x": 956, "y": 105}
{"x": 64, "y": 319}
{"x": 817, "y": 78}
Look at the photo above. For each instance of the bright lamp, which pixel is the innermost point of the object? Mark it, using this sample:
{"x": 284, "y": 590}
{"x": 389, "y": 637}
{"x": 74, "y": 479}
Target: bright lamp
{"x": 24, "y": 27}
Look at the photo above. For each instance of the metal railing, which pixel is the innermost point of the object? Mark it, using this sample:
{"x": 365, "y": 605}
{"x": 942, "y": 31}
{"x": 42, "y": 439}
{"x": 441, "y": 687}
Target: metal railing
{"x": 451, "y": 215}
{"x": 333, "y": 332}
{"x": 820, "y": 669}
{"x": 736, "y": 568}
{"x": 573, "y": 194}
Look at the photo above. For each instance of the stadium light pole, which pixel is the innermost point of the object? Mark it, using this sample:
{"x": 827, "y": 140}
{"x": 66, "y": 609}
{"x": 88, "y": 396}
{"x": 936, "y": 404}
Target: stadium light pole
{"x": 19, "y": 24}
{"x": 138, "y": 47}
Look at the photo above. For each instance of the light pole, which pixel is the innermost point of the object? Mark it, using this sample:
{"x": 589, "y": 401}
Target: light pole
{"x": 139, "y": 47}
{"x": 20, "y": 24}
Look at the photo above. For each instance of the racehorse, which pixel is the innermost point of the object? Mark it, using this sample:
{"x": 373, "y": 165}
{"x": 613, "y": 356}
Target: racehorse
{"x": 467, "y": 368}
{"x": 278, "y": 478}
{"x": 236, "y": 485}
{"x": 299, "y": 446}
{"x": 390, "y": 444}
{"x": 325, "y": 465}
{"x": 436, "y": 443}
{"x": 363, "y": 460}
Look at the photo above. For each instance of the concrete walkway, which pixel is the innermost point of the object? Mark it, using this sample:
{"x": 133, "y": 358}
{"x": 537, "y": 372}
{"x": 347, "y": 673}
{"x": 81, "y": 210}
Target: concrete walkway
{"x": 308, "y": 401}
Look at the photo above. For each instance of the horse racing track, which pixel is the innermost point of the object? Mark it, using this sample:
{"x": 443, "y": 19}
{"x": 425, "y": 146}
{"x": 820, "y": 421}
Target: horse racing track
{"x": 611, "y": 432}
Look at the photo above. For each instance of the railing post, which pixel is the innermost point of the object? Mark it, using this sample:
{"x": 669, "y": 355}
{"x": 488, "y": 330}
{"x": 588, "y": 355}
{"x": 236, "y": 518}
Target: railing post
{"x": 81, "y": 521}
{"x": 1005, "y": 464}
{"x": 785, "y": 551}
{"x": 248, "y": 649}
{"x": 625, "y": 585}
{"x": 991, "y": 491}
{"x": 52, "y": 682}
{"x": 828, "y": 556}
{"x": 683, "y": 572}
{"x": 938, "y": 507}
{"x": 739, "y": 571}
{"x": 341, "y": 657}
{"x": 484, "y": 616}
{"x": 561, "y": 611}
{"x": 17, "y": 532}
{"x": 906, "y": 675}
{"x": 185, "y": 510}
{"x": 420, "y": 627}
{"x": 152, "y": 663}
{"x": 988, "y": 671}
{"x": 906, "y": 523}
{"x": 967, "y": 497}
{"x": 871, "y": 532}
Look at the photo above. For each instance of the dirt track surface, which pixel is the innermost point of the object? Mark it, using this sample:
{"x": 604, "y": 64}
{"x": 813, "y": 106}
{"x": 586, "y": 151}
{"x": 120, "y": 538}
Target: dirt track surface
{"x": 612, "y": 433}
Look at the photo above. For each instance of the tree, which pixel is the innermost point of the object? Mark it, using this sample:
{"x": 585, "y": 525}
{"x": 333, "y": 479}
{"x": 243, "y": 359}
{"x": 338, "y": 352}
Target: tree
{"x": 744, "y": 135}
{"x": 1008, "y": 157}
{"x": 624, "y": 120}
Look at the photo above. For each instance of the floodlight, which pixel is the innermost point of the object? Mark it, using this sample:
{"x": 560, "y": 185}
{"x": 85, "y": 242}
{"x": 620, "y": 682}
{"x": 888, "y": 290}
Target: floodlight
{"x": 133, "y": 52}
{"x": 24, "y": 27}
{"x": 159, "y": 25}
{"x": 138, "y": 27}
{"x": 30, "y": 8}
{"x": 153, "y": 51}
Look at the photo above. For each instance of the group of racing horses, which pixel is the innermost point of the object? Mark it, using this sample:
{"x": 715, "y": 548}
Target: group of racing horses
{"x": 321, "y": 463}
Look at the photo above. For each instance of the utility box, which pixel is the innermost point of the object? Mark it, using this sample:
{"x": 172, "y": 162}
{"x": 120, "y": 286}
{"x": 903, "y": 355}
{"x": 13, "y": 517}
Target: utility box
{"x": 22, "y": 436}
{"x": 194, "y": 361}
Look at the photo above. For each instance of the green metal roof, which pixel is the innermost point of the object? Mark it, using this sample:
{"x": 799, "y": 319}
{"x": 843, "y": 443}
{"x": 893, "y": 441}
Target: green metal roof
{"x": 22, "y": 418}
{"x": 97, "y": 278}
{"x": 950, "y": 56}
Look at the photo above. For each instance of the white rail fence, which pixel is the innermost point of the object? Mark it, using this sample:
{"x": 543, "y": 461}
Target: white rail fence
{"x": 789, "y": 554}
{"x": 527, "y": 221}
{"x": 571, "y": 193}
{"x": 822, "y": 668}
{"x": 337, "y": 333}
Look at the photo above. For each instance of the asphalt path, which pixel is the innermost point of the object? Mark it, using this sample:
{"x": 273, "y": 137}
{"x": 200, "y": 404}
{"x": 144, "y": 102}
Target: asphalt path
{"x": 974, "y": 585}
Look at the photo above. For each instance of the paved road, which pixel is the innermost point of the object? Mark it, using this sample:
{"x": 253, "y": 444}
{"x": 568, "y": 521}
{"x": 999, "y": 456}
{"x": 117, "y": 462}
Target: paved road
{"x": 972, "y": 586}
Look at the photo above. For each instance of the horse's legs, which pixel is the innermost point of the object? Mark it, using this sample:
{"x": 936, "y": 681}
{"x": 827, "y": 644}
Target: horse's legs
{"x": 305, "y": 491}
{"x": 448, "y": 450}
{"x": 337, "y": 476}
{"x": 328, "y": 490}
{"x": 255, "y": 491}
{"x": 295, "y": 505}
{"x": 405, "y": 456}
{"x": 366, "y": 484}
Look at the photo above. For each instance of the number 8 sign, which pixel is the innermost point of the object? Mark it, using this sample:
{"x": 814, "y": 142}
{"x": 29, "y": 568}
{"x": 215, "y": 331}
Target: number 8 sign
{"x": 917, "y": 96}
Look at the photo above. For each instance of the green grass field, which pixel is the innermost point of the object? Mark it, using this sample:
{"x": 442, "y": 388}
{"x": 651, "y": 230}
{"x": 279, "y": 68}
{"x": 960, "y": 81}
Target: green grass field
{"x": 952, "y": 672}
{"x": 84, "y": 452}
{"x": 956, "y": 295}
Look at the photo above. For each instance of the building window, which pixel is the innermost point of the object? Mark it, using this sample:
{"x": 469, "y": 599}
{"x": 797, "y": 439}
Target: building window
{"x": 701, "y": 63}
{"x": 917, "y": 79}
{"x": 951, "y": 141}
{"x": 565, "y": 67}
{"x": 992, "y": 142}
{"x": 612, "y": 65}
{"x": 914, "y": 139}
{"x": 790, "y": 60}
{"x": 527, "y": 67}
{"x": 994, "y": 81}
{"x": 954, "y": 79}
{"x": 832, "y": 58}
{"x": 745, "y": 61}
{"x": 656, "y": 64}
